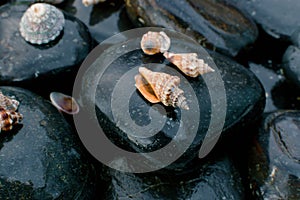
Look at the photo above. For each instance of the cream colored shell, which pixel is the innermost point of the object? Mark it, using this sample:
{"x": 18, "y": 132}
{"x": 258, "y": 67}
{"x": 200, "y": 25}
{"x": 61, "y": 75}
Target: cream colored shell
{"x": 188, "y": 63}
{"x": 160, "y": 87}
{"x": 155, "y": 42}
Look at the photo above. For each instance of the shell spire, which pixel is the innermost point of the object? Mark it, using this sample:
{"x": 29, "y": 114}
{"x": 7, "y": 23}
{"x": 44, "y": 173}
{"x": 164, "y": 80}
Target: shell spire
{"x": 189, "y": 64}
{"x": 155, "y": 42}
{"x": 160, "y": 87}
{"x": 41, "y": 23}
{"x": 8, "y": 114}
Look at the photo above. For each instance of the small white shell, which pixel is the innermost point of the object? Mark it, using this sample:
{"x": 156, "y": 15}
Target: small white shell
{"x": 188, "y": 63}
{"x": 41, "y": 23}
{"x": 160, "y": 87}
{"x": 91, "y": 2}
{"x": 155, "y": 42}
{"x": 64, "y": 103}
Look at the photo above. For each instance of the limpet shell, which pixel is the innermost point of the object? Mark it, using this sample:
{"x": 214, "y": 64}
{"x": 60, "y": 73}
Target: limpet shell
{"x": 41, "y": 23}
{"x": 155, "y": 42}
{"x": 160, "y": 87}
{"x": 8, "y": 114}
{"x": 188, "y": 63}
{"x": 64, "y": 103}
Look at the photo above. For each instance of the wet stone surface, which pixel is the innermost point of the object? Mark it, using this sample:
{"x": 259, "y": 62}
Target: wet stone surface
{"x": 274, "y": 169}
{"x": 278, "y": 18}
{"x": 41, "y": 158}
{"x": 213, "y": 180}
{"x": 23, "y": 62}
{"x": 214, "y": 24}
{"x": 103, "y": 20}
{"x": 245, "y": 100}
{"x": 291, "y": 62}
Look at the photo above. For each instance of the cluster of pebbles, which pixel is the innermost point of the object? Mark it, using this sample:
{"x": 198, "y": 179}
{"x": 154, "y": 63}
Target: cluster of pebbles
{"x": 43, "y": 44}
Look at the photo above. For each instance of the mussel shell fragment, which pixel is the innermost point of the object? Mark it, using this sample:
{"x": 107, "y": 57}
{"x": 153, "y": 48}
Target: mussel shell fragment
{"x": 41, "y": 23}
{"x": 64, "y": 103}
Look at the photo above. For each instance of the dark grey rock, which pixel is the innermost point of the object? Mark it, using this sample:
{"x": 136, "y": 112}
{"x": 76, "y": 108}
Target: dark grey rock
{"x": 244, "y": 95}
{"x": 274, "y": 169}
{"x": 278, "y": 18}
{"x": 291, "y": 63}
{"x": 214, "y": 180}
{"x": 22, "y": 62}
{"x": 41, "y": 158}
{"x": 214, "y": 24}
{"x": 103, "y": 20}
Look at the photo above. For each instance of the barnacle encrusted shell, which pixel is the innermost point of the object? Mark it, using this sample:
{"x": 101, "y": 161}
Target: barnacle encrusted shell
{"x": 41, "y": 23}
{"x": 64, "y": 103}
{"x": 155, "y": 42}
{"x": 188, "y": 63}
{"x": 160, "y": 87}
{"x": 8, "y": 114}
{"x": 91, "y": 2}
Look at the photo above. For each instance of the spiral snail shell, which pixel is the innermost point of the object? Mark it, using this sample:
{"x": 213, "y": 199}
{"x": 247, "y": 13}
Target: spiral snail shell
{"x": 160, "y": 87}
{"x": 41, "y": 23}
{"x": 8, "y": 114}
{"x": 188, "y": 63}
{"x": 155, "y": 42}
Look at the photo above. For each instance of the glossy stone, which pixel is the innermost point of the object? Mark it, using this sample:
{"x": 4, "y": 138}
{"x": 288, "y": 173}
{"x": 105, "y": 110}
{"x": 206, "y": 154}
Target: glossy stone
{"x": 214, "y": 180}
{"x": 22, "y": 62}
{"x": 291, "y": 62}
{"x": 103, "y": 20}
{"x": 274, "y": 169}
{"x": 214, "y": 24}
{"x": 41, "y": 158}
{"x": 244, "y": 95}
{"x": 278, "y": 18}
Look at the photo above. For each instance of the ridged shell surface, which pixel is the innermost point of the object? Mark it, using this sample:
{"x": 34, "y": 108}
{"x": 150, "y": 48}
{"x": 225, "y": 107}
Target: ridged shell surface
{"x": 160, "y": 87}
{"x": 155, "y": 42}
{"x": 41, "y": 23}
{"x": 189, "y": 64}
{"x": 8, "y": 114}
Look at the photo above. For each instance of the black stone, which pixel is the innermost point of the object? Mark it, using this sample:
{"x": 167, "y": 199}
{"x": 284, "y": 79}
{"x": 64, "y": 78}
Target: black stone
{"x": 244, "y": 95}
{"x": 214, "y": 180}
{"x": 41, "y": 158}
{"x": 274, "y": 169}
{"x": 23, "y": 62}
{"x": 103, "y": 20}
{"x": 214, "y": 24}
{"x": 280, "y": 19}
{"x": 291, "y": 62}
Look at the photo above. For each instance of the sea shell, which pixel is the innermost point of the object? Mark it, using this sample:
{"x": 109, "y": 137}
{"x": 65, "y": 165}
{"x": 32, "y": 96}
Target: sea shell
{"x": 160, "y": 87}
{"x": 64, "y": 103}
{"x": 155, "y": 42}
{"x": 91, "y": 2}
{"x": 188, "y": 63}
{"x": 41, "y": 23}
{"x": 8, "y": 114}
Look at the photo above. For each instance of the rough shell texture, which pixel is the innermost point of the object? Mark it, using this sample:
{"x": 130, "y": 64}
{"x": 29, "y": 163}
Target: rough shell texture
{"x": 64, "y": 103}
{"x": 41, "y": 23}
{"x": 160, "y": 87}
{"x": 188, "y": 63}
{"x": 91, "y": 2}
{"x": 155, "y": 42}
{"x": 8, "y": 116}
